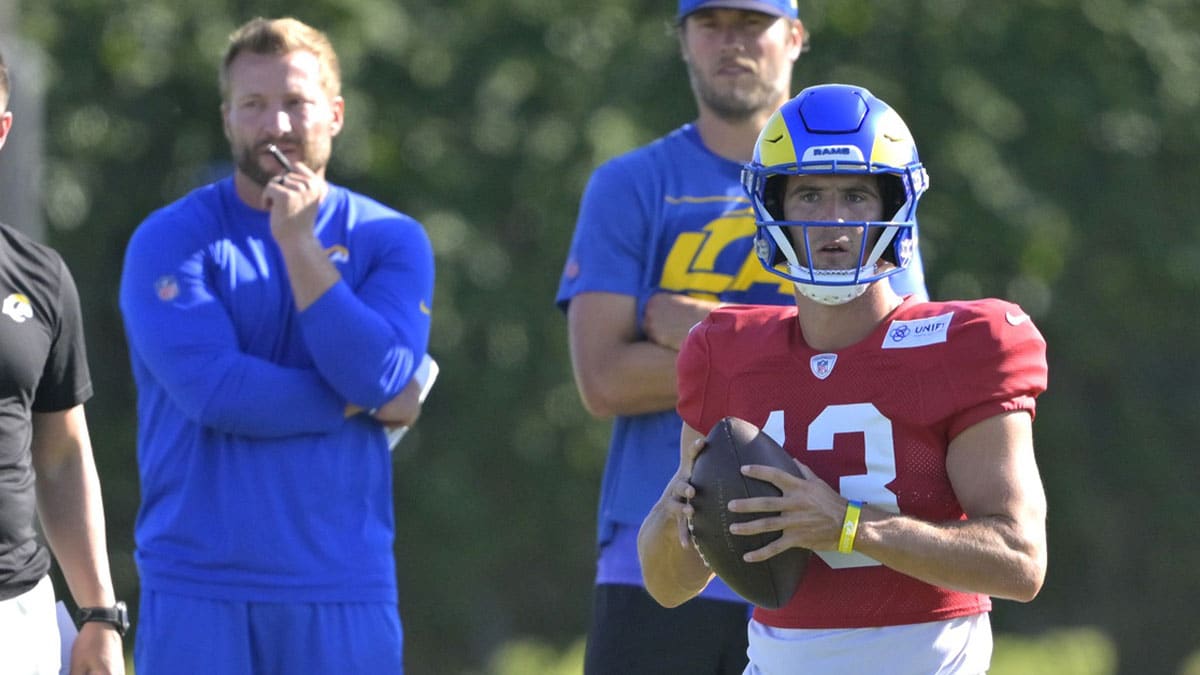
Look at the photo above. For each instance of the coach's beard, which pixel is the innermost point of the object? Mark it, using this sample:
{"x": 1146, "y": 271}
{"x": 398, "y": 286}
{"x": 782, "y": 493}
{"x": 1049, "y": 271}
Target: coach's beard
{"x": 737, "y": 104}
{"x": 250, "y": 160}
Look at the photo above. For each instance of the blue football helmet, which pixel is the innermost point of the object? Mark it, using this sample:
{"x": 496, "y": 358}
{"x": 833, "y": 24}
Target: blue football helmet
{"x": 835, "y": 129}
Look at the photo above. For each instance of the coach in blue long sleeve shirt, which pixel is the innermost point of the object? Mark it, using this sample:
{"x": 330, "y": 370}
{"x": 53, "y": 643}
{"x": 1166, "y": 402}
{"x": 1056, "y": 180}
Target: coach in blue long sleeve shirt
{"x": 274, "y": 322}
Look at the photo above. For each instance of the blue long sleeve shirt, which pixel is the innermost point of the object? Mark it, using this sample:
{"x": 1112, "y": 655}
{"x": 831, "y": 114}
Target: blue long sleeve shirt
{"x": 255, "y": 486}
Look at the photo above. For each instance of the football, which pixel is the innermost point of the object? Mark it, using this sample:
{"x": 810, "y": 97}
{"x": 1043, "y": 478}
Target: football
{"x": 717, "y": 479}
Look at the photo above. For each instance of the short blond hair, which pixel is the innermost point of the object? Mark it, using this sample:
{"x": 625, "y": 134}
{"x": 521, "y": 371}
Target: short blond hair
{"x": 283, "y": 36}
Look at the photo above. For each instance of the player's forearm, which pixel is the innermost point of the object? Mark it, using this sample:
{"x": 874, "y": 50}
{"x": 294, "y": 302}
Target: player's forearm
{"x": 991, "y": 555}
{"x": 673, "y": 574}
{"x": 192, "y": 353}
{"x": 617, "y": 369}
{"x": 71, "y": 512}
{"x": 255, "y": 398}
{"x": 308, "y": 268}
{"x": 669, "y": 317}
{"x": 636, "y": 379}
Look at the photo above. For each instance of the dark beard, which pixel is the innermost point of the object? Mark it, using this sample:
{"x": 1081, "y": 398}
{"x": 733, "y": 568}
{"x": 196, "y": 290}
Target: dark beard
{"x": 738, "y": 106}
{"x": 248, "y": 161}
{"x": 248, "y": 164}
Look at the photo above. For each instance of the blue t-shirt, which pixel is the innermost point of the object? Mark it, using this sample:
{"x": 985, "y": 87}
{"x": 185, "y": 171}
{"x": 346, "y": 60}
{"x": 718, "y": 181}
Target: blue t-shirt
{"x": 254, "y": 485}
{"x": 669, "y": 216}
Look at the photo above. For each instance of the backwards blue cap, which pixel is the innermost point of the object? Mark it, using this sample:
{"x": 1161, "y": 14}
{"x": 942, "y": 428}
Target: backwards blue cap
{"x": 785, "y": 8}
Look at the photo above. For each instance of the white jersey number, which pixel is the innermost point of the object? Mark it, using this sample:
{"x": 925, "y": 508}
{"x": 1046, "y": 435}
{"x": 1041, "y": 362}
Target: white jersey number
{"x": 869, "y": 487}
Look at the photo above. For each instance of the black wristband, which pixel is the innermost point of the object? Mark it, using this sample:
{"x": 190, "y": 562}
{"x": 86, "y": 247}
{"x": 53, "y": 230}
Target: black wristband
{"x": 117, "y": 616}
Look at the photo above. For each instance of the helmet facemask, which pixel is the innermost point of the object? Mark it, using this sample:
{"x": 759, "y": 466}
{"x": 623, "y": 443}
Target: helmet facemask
{"x": 883, "y": 244}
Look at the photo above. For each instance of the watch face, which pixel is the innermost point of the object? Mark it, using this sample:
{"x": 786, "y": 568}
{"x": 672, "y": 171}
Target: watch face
{"x": 122, "y": 615}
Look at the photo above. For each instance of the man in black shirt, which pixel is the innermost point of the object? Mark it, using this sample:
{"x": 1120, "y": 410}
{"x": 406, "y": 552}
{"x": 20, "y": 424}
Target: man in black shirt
{"x": 46, "y": 467}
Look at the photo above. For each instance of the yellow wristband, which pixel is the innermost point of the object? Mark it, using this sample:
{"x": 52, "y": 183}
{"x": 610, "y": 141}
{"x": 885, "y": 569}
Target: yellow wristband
{"x": 849, "y": 527}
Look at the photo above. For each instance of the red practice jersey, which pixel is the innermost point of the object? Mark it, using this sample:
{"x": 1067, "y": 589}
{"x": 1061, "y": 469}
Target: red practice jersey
{"x": 874, "y": 420}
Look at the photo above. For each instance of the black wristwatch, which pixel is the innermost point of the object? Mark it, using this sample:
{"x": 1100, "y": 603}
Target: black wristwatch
{"x": 117, "y": 616}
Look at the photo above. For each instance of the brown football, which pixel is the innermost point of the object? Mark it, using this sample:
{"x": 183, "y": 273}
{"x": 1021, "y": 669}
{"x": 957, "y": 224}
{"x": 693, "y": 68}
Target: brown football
{"x": 718, "y": 479}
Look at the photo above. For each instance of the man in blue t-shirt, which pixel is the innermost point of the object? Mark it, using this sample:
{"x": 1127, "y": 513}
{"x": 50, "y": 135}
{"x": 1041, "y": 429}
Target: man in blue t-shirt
{"x": 275, "y": 322}
{"x": 664, "y": 234}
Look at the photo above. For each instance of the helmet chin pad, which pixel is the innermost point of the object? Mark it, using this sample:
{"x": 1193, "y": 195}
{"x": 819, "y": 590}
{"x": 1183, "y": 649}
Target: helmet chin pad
{"x": 841, "y": 291}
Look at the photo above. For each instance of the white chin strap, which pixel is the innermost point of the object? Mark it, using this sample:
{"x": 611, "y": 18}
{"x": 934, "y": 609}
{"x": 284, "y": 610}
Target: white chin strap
{"x": 846, "y": 291}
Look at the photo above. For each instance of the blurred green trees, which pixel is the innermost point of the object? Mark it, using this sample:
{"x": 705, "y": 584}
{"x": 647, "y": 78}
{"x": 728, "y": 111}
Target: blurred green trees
{"x": 1060, "y": 135}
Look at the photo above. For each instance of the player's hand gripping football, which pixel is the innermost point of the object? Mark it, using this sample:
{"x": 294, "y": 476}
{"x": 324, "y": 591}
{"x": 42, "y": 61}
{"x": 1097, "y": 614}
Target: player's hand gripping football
{"x": 672, "y": 568}
{"x": 810, "y": 512}
{"x": 678, "y": 493}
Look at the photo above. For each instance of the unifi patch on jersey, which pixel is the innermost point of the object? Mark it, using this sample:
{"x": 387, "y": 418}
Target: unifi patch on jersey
{"x": 822, "y": 365}
{"x": 917, "y": 332}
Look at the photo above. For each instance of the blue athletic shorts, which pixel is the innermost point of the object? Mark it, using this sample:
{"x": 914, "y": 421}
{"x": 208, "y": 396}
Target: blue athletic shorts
{"x": 181, "y": 635}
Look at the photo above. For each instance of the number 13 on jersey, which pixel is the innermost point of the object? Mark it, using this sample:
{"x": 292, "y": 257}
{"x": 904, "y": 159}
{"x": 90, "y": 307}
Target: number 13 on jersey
{"x": 880, "y": 455}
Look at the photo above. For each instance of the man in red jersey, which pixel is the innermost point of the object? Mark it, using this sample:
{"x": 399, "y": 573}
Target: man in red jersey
{"x": 912, "y": 421}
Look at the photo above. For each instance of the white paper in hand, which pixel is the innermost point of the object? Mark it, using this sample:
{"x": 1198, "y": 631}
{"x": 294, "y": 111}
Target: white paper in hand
{"x": 425, "y": 376}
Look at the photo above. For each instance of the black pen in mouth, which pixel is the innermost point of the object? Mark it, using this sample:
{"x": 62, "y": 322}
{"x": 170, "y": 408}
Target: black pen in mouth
{"x": 280, "y": 157}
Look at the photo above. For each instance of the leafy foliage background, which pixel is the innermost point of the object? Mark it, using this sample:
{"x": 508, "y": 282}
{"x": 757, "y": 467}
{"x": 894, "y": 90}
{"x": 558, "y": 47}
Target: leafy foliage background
{"x": 1060, "y": 135}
